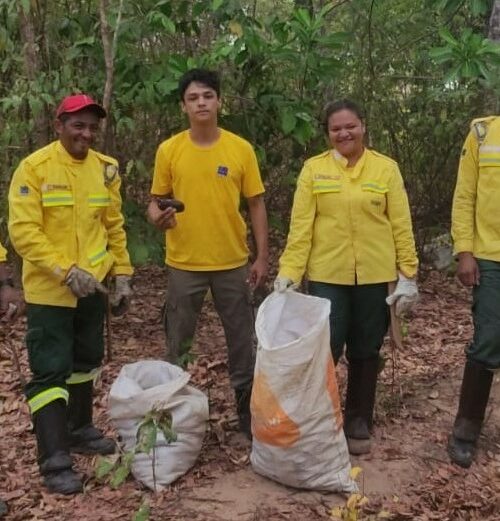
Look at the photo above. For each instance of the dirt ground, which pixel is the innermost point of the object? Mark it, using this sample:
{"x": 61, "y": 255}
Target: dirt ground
{"x": 407, "y": 475}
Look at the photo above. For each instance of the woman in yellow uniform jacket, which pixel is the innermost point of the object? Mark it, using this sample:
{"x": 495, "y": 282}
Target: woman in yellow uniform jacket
{"x": 351, "y": 233}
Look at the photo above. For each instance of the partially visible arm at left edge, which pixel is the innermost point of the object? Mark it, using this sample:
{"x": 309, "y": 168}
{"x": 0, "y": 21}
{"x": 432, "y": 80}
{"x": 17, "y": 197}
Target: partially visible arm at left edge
{"x": 258, "y": 217}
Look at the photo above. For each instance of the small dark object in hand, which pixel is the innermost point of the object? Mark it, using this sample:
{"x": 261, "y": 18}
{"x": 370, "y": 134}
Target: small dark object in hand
{"x": 164, "y": 203}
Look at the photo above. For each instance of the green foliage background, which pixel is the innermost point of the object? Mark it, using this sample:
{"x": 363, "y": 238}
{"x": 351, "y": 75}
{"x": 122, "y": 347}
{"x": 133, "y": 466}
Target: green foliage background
{"x": 421, "y": 69}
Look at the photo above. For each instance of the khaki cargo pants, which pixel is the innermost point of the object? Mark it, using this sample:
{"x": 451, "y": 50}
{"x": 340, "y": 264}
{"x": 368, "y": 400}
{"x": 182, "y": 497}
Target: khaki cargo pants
{"x": 186, "y": 291}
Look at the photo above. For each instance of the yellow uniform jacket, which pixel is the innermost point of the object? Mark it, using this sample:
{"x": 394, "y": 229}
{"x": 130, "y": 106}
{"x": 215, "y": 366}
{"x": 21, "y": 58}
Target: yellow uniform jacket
{"x": 64, "y": 211}
{"x": 349, "y": 225}
{"x": 475, "y": 218}
{"x": 3, "y": 253}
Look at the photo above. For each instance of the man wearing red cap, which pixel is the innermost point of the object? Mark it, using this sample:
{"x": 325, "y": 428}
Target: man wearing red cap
{"x": 65, "y": 221}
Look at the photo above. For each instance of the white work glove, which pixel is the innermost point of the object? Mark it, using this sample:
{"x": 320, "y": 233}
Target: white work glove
{"x": 82, "y": 283}
{"x": 281, "y": 284}
{"x": 405, "y": 295}
{"x": 120, "y": 294}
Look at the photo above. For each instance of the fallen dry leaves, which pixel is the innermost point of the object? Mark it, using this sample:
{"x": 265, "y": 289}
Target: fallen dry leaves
{"x": 415, "y": 408}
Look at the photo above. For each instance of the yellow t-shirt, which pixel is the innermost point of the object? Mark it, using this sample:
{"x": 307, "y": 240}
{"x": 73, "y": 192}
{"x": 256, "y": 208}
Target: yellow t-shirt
{"x": 210, "y": 233}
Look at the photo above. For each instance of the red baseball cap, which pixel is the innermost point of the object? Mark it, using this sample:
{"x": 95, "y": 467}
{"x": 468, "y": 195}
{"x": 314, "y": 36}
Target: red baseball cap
{"x": 78, "y": 102}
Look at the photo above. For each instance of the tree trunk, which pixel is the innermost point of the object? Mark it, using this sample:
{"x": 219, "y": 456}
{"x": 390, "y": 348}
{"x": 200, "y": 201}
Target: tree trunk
{"x": 40, "y": 135}
{"x": 109, "y": 40}
{"x": 494, "y": 25}
{"x": 490, "y": 99}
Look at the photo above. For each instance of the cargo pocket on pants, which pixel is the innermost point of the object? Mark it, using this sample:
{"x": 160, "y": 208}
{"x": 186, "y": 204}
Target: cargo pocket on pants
{"x": 34, "y": 343}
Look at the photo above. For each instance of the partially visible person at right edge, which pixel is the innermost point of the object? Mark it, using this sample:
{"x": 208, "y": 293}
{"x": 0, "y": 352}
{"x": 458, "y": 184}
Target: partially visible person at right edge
{"x": 475, "y": 228}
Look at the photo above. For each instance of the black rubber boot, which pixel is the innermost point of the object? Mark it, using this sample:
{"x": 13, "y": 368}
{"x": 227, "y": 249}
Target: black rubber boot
{"x": 3, "y": 508}
{"x": 359, "y": 404}
{"x": 84, "y": 437}
{"x": 474, "y": 395}
{"x": 243, "y": 409}
{"x": 54, "y": 459}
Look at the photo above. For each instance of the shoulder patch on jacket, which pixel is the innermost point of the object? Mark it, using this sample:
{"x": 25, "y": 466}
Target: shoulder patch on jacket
{"x": 109, "y": 168}
{"x": 479, "y": 127}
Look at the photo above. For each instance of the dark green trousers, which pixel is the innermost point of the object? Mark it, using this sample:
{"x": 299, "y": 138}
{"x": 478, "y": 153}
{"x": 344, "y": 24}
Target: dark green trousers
{"x": 359, "y": 318}
{"x": 63, "y": 341}
{"x": 485, "y": 346}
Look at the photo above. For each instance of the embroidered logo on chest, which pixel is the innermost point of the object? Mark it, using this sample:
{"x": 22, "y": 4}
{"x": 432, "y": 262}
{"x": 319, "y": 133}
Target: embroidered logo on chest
{"x": 222, "y": 171}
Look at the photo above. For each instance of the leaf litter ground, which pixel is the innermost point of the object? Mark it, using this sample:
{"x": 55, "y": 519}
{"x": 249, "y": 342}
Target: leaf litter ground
{"x": 407, "y": 475}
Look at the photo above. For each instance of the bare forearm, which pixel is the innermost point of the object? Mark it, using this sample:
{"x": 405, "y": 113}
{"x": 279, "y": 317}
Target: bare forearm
{"x": 4, "y": 271}
{"x": 258, "y": 218}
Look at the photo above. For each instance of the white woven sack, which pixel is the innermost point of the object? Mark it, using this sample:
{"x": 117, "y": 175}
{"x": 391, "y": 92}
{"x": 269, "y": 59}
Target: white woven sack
{"x": 138, "y": 388}
{"x": 298, "y": 438}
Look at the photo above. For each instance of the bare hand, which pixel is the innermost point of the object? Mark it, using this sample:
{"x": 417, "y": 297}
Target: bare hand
{"x": 468, "y": 270}
{"x": 12, "y": 304}
{"x": 162, "y": 219}
{"x": 258, "y": 273}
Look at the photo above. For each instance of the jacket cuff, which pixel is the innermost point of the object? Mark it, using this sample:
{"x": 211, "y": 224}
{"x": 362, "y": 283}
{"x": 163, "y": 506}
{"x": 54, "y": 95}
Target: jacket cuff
{"x": 291, "y": 274}
{"x": 121, "y": 270}
{"x": 462, "y": 246}
{"x": 409, "y": 271}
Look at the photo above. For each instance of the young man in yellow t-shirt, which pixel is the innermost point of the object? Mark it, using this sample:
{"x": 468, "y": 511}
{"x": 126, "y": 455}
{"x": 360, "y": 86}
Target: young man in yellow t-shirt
{"x": 209, "y": 169}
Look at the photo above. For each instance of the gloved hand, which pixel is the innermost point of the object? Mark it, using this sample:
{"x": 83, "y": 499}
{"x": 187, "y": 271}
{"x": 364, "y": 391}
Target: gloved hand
{"x": 82, "y": 283}
{"x": 281, "y": 284}
{"x": 120, "y": 294}
{"x": 405, "y": 295}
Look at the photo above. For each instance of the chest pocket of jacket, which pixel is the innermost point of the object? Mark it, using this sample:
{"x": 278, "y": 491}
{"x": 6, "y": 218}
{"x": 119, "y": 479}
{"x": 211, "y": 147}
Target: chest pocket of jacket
{"x": 58, "y": 207}
{"x": 489, "y": 160}
{"x": 98, "y": 201}
{"x": 374, "y": 195}
{"x": 322, "y": 186}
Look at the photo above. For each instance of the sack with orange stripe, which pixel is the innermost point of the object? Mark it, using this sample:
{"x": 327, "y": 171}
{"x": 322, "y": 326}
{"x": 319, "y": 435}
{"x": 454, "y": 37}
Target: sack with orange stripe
{"x": 298, "y": 438}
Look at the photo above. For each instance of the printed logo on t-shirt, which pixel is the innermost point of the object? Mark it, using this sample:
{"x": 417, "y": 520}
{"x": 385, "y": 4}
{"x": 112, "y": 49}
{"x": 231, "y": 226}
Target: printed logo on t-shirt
{"x": 222, "y": 171}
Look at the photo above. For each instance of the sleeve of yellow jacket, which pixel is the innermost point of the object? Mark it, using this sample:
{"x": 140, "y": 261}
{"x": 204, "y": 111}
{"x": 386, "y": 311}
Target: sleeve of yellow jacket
{"x": 294, "y": 259}
{"x": 398, "y": 211}
{"x": 26, "y": 224}
{"x": 117, "y": 239}
{"x": 464, "y": 198}
{"x": 3, "y": 253}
